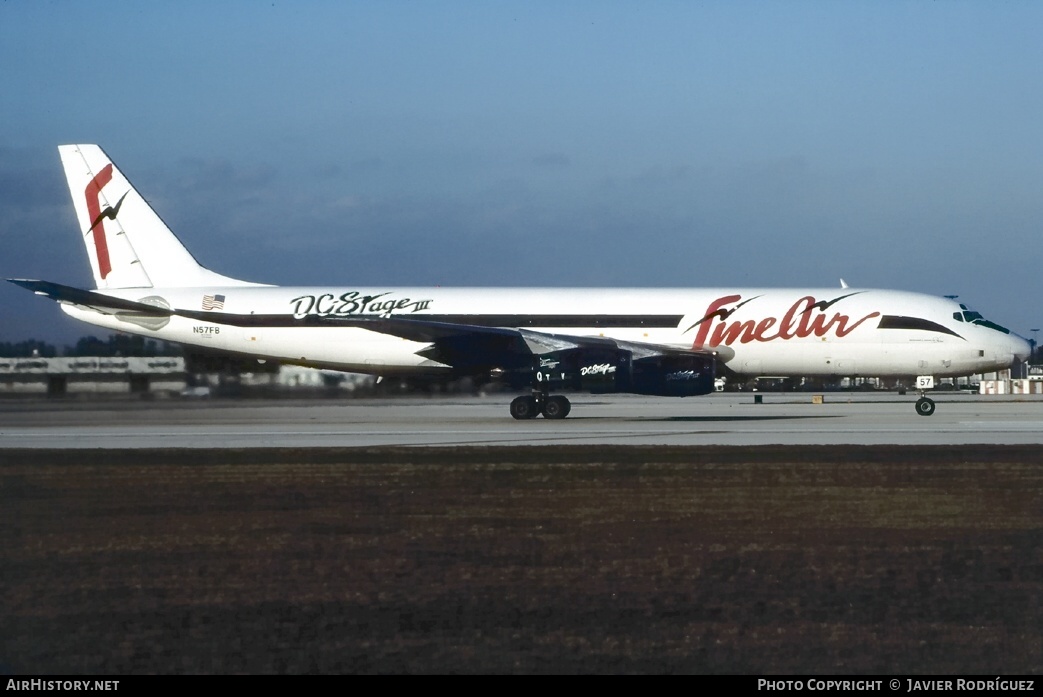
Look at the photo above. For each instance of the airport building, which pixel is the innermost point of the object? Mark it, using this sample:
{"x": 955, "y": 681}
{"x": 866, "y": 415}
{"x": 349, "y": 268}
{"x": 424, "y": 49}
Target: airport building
{"x": 92, "y": 375}
{"x": 159, "y": 375}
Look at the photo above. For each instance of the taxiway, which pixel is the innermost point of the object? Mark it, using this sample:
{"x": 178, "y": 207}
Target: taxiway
{"x": 721, "y": 419}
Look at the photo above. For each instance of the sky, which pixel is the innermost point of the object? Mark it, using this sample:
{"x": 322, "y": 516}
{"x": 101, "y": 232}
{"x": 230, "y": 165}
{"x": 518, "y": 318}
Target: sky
{"x": 668, "y": 144}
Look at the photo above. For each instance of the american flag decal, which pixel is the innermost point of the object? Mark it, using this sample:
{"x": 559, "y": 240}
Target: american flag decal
{"x": 213, "y": 302}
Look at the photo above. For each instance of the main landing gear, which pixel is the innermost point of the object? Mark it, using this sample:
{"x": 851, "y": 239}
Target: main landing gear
{"x": 552, "y": 407}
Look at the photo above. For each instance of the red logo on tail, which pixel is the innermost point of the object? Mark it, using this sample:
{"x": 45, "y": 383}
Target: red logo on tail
{"x": 92, "y": 193}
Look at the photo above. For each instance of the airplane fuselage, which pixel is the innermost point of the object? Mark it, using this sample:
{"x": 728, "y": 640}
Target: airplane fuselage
{"x": 755, "y": 332}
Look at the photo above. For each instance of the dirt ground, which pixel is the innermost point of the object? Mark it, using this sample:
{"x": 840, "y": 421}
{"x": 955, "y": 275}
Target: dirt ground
{"x": 778, "y": 560}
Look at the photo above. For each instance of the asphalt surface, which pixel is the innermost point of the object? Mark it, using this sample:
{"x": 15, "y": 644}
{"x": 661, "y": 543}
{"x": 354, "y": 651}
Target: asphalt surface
{"x": 720, "y": 419}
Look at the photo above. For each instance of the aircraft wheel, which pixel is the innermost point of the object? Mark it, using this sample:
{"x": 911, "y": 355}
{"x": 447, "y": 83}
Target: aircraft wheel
{"x": 557, "y": 407}
{"x": 924, "y": 406}
{"x": 524, "y": 408}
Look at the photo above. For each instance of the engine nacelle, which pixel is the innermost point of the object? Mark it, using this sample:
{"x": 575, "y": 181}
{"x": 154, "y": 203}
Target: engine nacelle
{"x": 602, "y": 370}
{"x": 674, "y": 375}
{"x": 599, "y": 370}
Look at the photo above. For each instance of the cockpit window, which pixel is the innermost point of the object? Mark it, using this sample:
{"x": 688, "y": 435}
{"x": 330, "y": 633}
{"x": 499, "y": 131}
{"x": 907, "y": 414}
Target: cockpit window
{"x": 991, "y": 325}
{"x": 968, "y": 315}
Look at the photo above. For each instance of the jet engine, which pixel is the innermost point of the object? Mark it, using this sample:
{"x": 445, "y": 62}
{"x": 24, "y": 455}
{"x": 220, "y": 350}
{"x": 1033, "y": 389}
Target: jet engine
{"x": 602, "y": 370}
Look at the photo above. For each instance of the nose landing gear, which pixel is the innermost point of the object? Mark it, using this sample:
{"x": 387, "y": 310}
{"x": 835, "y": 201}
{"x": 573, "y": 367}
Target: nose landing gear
{"x": 924, "y": 405}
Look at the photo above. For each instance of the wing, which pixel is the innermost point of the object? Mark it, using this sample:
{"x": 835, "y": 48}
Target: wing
{"x": 468, "y": 347}
{"x": 464, "y": 347}
{"x": 527, "y": 358}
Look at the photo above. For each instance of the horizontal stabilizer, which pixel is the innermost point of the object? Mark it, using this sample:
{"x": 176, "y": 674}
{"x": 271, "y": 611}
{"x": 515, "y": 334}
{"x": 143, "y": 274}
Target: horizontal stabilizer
{"x": 88, "y": 298}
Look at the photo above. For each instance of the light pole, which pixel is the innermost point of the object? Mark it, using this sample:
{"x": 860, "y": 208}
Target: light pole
{"x": 1033, "y": 344}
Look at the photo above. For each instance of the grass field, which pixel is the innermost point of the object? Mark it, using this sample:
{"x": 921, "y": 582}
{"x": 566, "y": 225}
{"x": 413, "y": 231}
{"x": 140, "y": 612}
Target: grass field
{"x": 698, "y": 560}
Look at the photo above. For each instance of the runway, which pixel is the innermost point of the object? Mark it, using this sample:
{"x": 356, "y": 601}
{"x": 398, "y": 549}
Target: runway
{"x": 720, "y": 419}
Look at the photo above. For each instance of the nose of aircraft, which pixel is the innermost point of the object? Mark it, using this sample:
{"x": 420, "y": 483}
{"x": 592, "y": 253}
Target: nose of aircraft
{"x": 1020, "y": 348}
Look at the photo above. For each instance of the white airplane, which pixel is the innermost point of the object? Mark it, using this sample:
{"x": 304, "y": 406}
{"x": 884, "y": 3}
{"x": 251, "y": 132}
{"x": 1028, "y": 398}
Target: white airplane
{"x": 669, "y": 342}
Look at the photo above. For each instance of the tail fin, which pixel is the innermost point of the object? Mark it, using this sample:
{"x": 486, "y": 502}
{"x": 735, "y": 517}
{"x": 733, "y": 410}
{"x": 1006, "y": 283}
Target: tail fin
{"x": 128, "y": 245}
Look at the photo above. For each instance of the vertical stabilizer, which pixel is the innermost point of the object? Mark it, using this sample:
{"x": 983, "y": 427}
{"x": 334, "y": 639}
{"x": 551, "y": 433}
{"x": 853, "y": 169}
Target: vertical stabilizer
{"x": 128, "y": 244}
